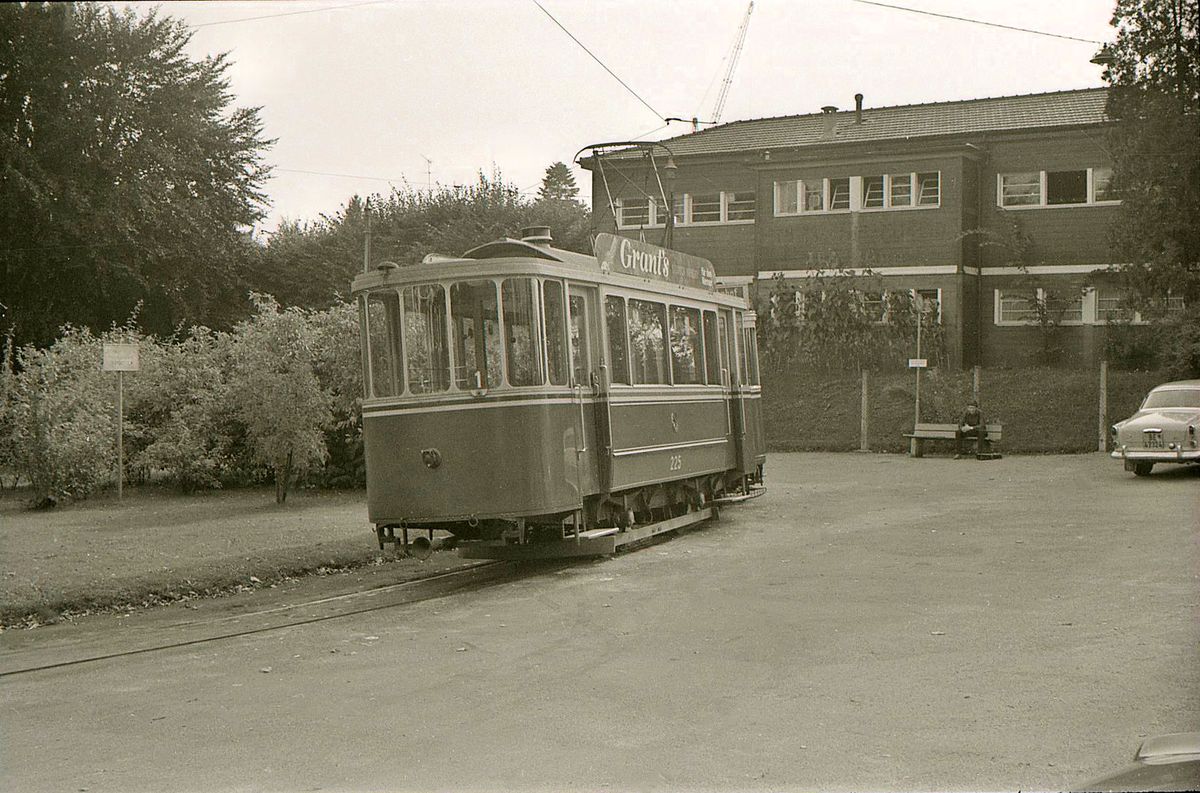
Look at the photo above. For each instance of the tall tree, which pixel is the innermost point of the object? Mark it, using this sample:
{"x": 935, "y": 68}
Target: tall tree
{"x": 126, "y": 174}
{"x": 558, "y": 184}
{"x": 1155, "y": 98}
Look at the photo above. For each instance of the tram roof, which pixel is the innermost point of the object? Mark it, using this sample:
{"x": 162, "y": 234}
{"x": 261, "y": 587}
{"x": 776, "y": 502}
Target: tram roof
{"x": 514, "y": 256}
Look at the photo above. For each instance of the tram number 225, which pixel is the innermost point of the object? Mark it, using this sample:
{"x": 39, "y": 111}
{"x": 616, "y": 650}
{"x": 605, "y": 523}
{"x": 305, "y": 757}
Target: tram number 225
{"x": 676, "y": 462}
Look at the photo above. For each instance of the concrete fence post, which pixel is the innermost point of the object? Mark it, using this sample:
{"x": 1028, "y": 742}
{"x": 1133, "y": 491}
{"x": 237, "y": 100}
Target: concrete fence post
{"x": 863, "y": 444}
{"x": 1103, "y": 446}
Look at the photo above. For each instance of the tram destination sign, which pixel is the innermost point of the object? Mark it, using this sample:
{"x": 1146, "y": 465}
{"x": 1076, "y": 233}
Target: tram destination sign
{"x": 631, "y": 257}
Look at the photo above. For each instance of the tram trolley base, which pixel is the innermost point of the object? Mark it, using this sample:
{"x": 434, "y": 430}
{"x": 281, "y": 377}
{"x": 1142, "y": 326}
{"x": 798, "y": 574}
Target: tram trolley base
{"x": 596, "y": 542}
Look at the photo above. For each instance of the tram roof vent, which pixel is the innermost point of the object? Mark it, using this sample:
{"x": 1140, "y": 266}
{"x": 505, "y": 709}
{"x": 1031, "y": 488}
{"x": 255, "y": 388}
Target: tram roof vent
{"x": 536, "y": 235}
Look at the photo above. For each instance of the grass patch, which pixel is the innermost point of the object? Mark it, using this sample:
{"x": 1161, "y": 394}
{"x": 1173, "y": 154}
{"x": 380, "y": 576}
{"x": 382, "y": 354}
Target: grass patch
{"x": 157, "y": 546}
{"x": 1043, "y": 410}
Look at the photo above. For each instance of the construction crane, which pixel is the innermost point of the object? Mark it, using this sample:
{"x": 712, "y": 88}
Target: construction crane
{"x": 733, "y": 60}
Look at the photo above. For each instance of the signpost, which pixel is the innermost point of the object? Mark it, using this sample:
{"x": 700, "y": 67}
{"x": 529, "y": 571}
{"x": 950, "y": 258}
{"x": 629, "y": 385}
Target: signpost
{"x": 918, "y": 363}
{"x": 120, "y": 358}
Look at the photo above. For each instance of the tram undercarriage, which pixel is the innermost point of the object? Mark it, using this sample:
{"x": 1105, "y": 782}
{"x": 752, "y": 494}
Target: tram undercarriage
{"x": 605, "y": 523}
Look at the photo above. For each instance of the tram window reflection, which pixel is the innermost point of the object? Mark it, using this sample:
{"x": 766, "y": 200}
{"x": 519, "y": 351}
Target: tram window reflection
{"x": 618, "y": 339}
{"x": 712, "y": 352}
{"x": 556, "y": 328}
{"x": 685, "y": 345}
{"x": 427, "y": 354}
{"x": 523, "y": 346}
{"x": 646, "y": 325}
{"x": 477, "y": 346}
{"x": 580, "y": 364}
{"x": 383, "y": 343}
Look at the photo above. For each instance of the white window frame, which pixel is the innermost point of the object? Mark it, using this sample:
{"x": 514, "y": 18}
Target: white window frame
{"x": 856, "y": 195}
{"x": 1086, "y": 315}
{"x": 724, "y": 196}
{"x": 1091, "y": 309}
{"x": 1042, "y": 198}
{"x": 913, "y": 295}
{"x": 653, "y": 215}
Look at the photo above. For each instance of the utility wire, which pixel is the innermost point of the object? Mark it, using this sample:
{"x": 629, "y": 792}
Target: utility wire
{"x": 289, "y": 13}
{"x": 597, "y": 60}
{"x": 342, "y": 175}
{"x": 976, "y": 21}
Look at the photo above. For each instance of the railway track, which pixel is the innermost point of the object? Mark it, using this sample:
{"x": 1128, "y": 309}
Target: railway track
{"x": 193, "y": 632}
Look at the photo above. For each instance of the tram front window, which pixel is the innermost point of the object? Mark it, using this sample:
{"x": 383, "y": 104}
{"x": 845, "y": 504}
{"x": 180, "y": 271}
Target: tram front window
{"x": 427, "y": 359}
{"x": 685, "y": 345}
{"x": 520, "y": 325}
{"x": 479, "y": 355}
{"x": 383, "y": 343}
{"x": 646, "y": 324}
{"x": 556, "y": 337}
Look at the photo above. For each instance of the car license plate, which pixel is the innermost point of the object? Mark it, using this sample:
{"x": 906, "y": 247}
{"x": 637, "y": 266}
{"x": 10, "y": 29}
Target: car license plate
{"x": 1153, "y": 440}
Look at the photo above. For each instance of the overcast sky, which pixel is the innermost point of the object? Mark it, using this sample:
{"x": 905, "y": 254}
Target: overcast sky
{"x": 369, "y": 90}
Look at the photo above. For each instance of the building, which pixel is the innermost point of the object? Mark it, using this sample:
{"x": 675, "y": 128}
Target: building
{"x": 987, "y": 206}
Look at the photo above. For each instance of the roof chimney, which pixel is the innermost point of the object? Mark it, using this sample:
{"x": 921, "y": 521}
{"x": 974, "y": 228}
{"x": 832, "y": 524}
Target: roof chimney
{"x": 537, "y": 235}
{"x": 830, "y": 122}
{"x": 858, "y": 98}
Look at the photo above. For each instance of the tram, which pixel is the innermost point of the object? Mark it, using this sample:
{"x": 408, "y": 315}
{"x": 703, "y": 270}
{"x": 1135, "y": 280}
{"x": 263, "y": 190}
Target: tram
{"x": 536, "y": 402}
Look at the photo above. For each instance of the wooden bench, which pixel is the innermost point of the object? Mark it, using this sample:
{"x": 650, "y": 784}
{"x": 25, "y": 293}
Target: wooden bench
{"x": 946, "y": 432}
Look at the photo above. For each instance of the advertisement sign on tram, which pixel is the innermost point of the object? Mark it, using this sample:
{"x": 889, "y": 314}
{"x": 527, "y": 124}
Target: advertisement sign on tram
{"x": 631, "y": 257}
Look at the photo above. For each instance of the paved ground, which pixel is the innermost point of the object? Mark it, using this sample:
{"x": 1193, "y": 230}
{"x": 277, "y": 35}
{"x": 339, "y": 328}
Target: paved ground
{"x": 874, "y": 622}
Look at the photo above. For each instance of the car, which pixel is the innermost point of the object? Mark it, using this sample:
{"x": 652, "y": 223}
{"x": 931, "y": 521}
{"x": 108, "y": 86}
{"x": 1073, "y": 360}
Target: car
{"x": 1164, "y": 762}
{"x": 1164, "y": 430}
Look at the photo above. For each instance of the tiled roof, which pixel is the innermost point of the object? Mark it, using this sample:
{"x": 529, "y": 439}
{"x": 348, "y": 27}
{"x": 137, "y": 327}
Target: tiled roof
{"x": 901, "y": 122}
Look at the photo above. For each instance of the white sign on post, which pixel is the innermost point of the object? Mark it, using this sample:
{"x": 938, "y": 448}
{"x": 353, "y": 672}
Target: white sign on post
{"x": 121, "y": 358}
{"x": 918, "y": 363}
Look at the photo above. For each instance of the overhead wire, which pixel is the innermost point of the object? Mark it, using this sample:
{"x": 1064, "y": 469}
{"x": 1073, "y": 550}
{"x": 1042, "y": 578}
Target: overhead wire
{"x": 597, "y": 60}
{"x": 975, "y": 21}
{"x": 288, "y": 13}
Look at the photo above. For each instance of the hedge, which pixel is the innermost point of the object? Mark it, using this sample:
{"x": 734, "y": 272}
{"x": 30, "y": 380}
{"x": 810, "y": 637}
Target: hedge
{"x": 1043, "y": 410}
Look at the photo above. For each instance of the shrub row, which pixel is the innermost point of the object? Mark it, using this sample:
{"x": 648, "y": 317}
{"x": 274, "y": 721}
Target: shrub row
{"x": 276, "y": 397}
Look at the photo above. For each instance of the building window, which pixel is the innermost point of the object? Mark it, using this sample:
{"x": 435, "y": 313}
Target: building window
{"x": 1110, "y": 306}
{"x": 900, "y": 192}
{"x": 872, "y": 192}
{"x": 787, "y": 198}
{"x": 814, "y": 196}
{"x": 930, "y": 192}
{"x": 739, "y": 206}
{"x": 705, "y": 208}
{"x": 874, "y": 305}
{"x": 1015, "y": 307}
{"x": 633, "y": 212}
{"x": 723, "y": 207}
{"x": 1020, "y": 189}
{"x": 1079, "y": 187}
{"x": 839, "y": 193}
{"x": 1102, "y": 186}
{"x": 928, "y": 301}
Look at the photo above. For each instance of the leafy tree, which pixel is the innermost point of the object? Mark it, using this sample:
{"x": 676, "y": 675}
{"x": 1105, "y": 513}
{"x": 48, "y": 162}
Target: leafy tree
{"x": 558, "y": 184}
{"x": 312, "y": 264}
{"x": 1155, "y": 99}
{"x": 127, "y": 175}
{"x": 275, "y": 392}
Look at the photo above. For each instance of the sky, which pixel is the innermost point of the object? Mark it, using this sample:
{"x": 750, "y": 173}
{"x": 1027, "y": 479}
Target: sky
{"x": 362, "y": 97}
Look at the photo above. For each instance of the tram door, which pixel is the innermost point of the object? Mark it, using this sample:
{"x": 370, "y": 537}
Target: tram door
{"x": 730, "y": 331}
{"x": 584, "y": 315}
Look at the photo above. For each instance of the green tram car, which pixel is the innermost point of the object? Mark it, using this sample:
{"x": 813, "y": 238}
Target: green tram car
{"x": 536, "y": 401}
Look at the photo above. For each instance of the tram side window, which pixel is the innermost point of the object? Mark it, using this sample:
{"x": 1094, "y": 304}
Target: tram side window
{"x": 428, "y": 355}
{"x": 726, "y": 353}
{"x": 618, "y": 339}
{"x": 750, "y": 355}
{"x": 477, "y": 347}
{"x": 685, "y": 345}
{"x": 556, "y": 329}
{"x": 712, "y": 350}
{"x": 523, "y": 346}
{"x": 744, "y": 369}
{"x": 647, "y": 321}
{"x": 383, "y": 343}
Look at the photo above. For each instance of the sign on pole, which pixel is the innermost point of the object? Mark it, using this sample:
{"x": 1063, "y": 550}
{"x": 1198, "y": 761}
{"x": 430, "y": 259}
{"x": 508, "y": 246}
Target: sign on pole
{"x": 918, "y": 363}
{"x": 120, "y": 358}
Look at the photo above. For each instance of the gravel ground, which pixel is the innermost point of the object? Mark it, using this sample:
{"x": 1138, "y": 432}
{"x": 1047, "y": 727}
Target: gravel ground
{"x": 873, "y": 622}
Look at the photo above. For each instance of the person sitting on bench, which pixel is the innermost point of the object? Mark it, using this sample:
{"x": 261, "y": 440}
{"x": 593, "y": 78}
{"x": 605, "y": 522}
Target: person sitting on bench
{"x": 970, "y": 426}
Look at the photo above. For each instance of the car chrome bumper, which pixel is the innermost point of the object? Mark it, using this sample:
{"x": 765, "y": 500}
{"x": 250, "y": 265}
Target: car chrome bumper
{"x": 1158, "y": 455}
